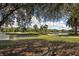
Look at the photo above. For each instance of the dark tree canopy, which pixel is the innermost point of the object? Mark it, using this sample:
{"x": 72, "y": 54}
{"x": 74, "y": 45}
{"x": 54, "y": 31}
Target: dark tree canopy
{"x": 26, "y": 11}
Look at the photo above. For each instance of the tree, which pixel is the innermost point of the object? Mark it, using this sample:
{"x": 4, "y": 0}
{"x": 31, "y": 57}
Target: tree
{"x": 36, "y": 28}
{"x": 9, "y": 10}
{"x": 44, "y": 29}
{"x": 41, "y": 28}
{"x": 73, "y": 20}
{"x": 39, "y": 10}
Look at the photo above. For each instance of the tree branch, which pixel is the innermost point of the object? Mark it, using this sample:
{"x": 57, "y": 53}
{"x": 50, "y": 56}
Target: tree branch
{"x": 8, "y": 14}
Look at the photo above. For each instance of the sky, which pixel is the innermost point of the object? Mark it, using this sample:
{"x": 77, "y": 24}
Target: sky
{"x": 52, "y": 25}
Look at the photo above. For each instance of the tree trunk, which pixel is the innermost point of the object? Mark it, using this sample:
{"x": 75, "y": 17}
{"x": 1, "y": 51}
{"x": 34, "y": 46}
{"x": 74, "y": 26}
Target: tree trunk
{"x": 75, "y": 30}
{"x": 75, "y": 26}
{"x": 0, "y": 28}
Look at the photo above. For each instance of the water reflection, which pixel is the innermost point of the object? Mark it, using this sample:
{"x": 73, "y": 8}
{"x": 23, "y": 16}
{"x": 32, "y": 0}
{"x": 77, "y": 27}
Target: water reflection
{"x": 11, "y": 36}
{"x": 3, "y": 36}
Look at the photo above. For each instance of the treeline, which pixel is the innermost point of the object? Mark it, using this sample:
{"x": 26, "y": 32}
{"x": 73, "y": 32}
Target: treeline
{"x": 42, "y": 29}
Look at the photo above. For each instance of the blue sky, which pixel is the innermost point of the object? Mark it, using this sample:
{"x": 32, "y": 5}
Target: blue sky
{"x": 53, "y": 25}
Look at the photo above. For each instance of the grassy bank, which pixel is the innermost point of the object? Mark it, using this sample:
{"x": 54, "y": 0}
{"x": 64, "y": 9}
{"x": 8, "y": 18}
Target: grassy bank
{"x": 22, "y": 33}
{"x": 52, "y": 37}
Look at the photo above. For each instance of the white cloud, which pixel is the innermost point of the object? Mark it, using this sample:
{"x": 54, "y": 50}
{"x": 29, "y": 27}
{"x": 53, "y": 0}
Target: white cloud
{"x": 15, "y": 23}
{"x": 34, "y": 21}
{"x": 51, "y": 25}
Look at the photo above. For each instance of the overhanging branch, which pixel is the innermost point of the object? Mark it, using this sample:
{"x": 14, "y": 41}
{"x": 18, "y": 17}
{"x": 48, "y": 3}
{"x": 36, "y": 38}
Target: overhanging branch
{"x": 8, "y": 14}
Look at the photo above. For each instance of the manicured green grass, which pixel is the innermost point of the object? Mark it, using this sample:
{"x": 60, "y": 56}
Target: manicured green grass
{"x": 53, "y": 38}
{"x": 69, "y": 39}
{"x": 22, "y": 33}
{"x": 45, "y": 37}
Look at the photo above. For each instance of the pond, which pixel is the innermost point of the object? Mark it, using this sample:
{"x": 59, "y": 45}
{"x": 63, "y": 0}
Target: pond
{"x": 3, "y": 36}
{"x": 12, "y": 36}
